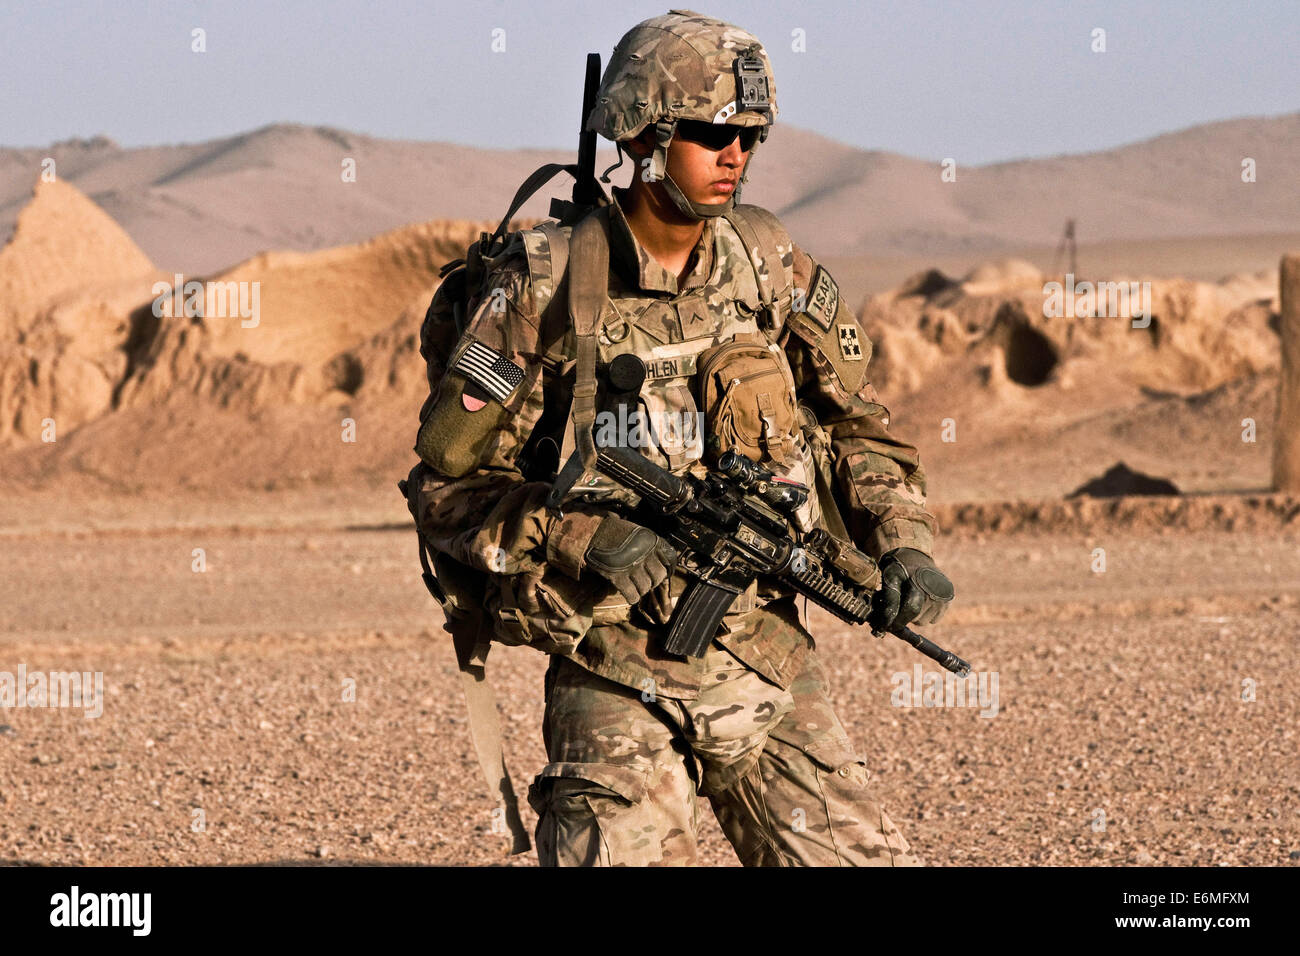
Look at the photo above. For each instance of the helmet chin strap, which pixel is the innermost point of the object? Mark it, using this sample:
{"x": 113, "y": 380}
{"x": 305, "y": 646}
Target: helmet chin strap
{"x": 658, "y": 172}
{"x": 696, "y": 210}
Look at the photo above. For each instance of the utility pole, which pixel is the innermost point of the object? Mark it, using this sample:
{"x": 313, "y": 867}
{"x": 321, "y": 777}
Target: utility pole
{"x": 1066, "y": 243}
{"x": 1286, "y": 452}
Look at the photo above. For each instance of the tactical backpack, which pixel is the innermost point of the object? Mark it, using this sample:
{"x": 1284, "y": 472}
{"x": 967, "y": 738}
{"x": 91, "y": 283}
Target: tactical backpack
{"x": 463, "y": 287}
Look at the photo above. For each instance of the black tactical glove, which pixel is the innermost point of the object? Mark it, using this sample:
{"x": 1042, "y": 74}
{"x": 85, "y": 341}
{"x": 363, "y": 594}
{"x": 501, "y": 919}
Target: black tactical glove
{"x": 912, "y": 590}
{"x": 634, "y": 559}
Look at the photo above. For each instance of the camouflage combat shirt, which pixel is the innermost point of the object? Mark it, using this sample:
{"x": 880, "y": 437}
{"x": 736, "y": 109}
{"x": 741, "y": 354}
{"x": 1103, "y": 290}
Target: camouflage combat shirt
{"x": 494, "y": 520}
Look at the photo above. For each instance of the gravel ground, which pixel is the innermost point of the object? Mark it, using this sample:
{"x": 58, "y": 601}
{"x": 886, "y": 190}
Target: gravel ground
{"x": 1121, "y": 736}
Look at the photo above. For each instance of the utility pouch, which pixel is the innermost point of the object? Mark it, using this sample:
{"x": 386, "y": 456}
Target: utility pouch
{"x": 747, "y": 396}
{"x": 672, "y": 423}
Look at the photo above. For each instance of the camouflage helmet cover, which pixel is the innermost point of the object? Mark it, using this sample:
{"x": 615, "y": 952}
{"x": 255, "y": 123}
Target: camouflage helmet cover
{"x": 677, "y": 66}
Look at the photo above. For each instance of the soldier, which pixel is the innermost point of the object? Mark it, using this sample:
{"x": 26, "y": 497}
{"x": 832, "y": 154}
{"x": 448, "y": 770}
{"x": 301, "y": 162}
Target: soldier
{"x": 749, "y": 347}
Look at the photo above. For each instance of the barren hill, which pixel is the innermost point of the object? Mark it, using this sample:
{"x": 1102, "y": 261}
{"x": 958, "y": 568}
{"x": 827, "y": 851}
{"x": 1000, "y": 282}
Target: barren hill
{"x": 68, "y": 281}
{"x": 144, "y": 400}
{"x": 201, "y": 207}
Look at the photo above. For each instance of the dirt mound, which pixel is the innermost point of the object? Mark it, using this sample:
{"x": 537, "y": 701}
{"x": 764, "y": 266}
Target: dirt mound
{"x": 1122, "y": 480}
{"x": 298, "y": 368}
{"x": 69, "y": 278}
{"x": 309, "y": 329}
{"x": 253, "y": 390}
{"x": 1140, "y": 514}
{"x": 1171, "y": 334}
{"x": 1008, "y": 396}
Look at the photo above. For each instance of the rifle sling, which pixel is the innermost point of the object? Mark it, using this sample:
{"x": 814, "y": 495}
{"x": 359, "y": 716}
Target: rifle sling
{"x": 472, "y": 641}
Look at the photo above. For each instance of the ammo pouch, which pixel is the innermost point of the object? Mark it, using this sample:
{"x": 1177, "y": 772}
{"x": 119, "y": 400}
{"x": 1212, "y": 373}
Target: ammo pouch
{"x": 672, "y": 425}
{"x": 747, "y": 396}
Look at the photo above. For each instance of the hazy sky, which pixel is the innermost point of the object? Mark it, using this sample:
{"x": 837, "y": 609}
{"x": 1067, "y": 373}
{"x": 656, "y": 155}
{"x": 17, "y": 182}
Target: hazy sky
{"x": 978, "y": 81}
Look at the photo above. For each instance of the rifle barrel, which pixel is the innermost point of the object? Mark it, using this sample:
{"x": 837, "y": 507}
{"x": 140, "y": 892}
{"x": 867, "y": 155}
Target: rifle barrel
{"x": 585, "y": 189}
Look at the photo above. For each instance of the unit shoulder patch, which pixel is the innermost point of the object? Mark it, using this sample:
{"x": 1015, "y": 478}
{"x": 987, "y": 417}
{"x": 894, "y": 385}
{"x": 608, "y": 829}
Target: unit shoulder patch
{"x": 850, "y": 344}
{"x": 841, "y": 343}
{"x": 823, "y": 298}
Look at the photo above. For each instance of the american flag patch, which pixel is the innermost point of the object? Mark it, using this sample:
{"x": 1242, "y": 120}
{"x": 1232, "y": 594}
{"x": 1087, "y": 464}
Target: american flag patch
{"x": 490, "y": 370}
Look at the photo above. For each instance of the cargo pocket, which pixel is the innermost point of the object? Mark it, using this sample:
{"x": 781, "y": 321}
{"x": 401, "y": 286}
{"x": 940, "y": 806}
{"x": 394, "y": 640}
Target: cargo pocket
{"x": 861, "y": 832}
{"x": 836, "y": 760}
{"x": 584, "y": 811}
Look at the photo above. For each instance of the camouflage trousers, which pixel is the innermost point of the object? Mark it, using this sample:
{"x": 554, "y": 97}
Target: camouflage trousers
{"x": 776, "y": 765}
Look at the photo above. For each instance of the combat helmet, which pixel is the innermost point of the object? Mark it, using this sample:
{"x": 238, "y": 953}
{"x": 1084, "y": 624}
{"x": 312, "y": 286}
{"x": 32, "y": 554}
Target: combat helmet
{"x": 684, "y": 66}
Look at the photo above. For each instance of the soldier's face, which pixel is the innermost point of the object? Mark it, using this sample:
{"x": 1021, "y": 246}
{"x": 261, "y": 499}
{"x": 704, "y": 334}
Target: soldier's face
{"x": 706, "y": 176}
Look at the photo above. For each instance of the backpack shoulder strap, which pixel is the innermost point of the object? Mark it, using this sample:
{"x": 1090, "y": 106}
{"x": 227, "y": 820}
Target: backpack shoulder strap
{"x": 471, "y": 639}
{"x": 547, "y": 248}
{"x": 771, "y": 252}
{"x": 588, "y": 293}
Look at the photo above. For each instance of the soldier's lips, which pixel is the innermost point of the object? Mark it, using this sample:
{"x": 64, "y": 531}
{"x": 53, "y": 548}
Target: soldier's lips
{"x": 724, "y": 186}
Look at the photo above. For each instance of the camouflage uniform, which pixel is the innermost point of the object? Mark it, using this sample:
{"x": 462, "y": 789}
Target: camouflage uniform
{"x": 775, "y": 763}
{"x": 632, "y": 733}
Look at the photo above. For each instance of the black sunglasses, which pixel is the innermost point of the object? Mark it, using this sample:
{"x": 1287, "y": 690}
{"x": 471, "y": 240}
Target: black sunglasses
{"x": 718, "y": 136}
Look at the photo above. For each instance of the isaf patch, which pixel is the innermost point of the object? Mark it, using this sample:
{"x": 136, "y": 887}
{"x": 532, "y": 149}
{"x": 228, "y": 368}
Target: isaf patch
{"x": 850, "y": 346}
{"x": 823, "y": 298}
{"x": 489, "y": 370}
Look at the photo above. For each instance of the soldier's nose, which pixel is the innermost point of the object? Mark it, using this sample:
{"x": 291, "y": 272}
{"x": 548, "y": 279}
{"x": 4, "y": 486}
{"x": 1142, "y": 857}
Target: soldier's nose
{"x": 732, "y": 162}
{"x": 732, "y": 155}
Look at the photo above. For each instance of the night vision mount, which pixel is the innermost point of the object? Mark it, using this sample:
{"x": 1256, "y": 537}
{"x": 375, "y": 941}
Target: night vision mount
{"x": 752, "y": 87}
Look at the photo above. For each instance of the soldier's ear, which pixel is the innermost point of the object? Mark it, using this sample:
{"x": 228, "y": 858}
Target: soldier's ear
{"x": 642, "y": 145}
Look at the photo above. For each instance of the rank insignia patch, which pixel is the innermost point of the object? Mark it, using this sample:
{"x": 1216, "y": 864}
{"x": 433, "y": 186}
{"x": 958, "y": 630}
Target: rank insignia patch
{"x": 489, "y": 370}
{"x": 823, "y": 298}
{"x": 850, "y": 347}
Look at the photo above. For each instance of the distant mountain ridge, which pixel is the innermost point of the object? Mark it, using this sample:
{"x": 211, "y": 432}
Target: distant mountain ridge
{"x": 201, "y": 207}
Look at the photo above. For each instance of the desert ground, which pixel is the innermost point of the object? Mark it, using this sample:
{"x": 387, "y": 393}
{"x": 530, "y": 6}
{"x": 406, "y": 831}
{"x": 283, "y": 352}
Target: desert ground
{"x": 1119, "y": 692}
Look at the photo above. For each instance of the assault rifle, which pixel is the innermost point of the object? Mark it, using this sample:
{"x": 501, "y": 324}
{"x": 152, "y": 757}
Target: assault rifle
{"x": 734, "y": 525}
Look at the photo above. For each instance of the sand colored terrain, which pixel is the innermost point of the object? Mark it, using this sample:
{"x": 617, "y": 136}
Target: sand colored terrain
{"x": 69, "y": 278}
{"x": 323, "y": 318}
{"x": 200, "y": 207}
{"x": 1048, "y": 402}
{"x": 204, "y": 402}
{"x": 193, "y": 400}
{"x": 1120, "y": 692}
